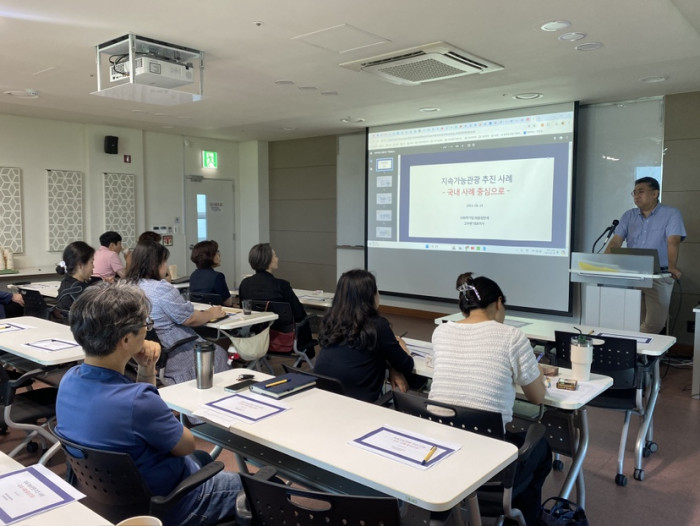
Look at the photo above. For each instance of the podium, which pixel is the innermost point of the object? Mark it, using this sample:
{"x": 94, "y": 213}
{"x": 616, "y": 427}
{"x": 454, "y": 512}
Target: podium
{"x": 611, "y": 287}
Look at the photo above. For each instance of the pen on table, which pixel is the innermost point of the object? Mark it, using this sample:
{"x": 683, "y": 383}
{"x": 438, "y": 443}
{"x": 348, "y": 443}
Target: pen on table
{"x": 404, "y": 333}
{"x": 539, "y": 357}
{"x": 430, "y": 454}
{"x": 280, "y": 382}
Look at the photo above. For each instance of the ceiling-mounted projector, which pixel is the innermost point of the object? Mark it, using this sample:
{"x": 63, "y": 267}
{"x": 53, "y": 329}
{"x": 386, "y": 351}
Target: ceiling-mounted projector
{"x": 153, "y": 72}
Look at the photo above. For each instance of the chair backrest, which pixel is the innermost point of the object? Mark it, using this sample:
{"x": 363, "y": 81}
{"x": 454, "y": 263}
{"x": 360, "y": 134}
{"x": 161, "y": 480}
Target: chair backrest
{"x": 488, "y": 423}
{"x": 327, "y": 383}
{"x": 34, "y": 304}
{"x": 272, "y": 503}
{"x": 206, "y": 297}
{"x": 111, "y": 481}
{"x": 615, "y": 357}
{"x": 285, "y": 322}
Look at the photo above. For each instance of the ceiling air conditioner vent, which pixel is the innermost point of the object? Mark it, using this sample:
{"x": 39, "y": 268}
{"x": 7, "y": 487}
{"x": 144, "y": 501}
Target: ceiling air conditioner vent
{"x": 428, "y": 63}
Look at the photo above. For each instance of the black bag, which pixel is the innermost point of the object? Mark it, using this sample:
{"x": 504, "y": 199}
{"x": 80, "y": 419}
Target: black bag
{"x": 561, "y": 512}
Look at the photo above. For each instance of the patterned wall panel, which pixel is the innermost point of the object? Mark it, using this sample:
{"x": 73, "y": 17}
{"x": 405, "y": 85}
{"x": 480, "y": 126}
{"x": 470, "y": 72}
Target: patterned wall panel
{"x": 11, "y": 209}
{"x": 120, "y": 206}
{"x": 65, "y": 208}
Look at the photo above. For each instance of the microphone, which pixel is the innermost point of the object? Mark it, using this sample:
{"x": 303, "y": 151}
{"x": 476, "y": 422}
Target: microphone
{"x": 611, "y": 230}
{"x": 608, "y": 230}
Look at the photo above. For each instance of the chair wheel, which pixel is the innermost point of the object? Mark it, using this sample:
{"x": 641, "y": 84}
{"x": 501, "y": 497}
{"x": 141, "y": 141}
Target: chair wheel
{"x": 653, "y": 447}
{"x": 32, "y": 447}
{"x": 620, "y": 480}
{"x": 646, "y": 452}
{"x": 639, "y": 474}
{"x": 558, "y": 465}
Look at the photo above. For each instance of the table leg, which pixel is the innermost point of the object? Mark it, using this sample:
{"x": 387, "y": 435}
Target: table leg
{"x": 646, "y": 421}
{"x": 575, "y": 471}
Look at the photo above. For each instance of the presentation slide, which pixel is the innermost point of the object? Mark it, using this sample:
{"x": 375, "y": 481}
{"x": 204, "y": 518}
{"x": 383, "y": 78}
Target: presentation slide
{"x": 476, "y": 205}
{"x": 489, "y": 193}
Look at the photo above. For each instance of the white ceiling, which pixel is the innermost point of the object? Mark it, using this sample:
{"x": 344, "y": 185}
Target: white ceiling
{"x": 48, "y": 45}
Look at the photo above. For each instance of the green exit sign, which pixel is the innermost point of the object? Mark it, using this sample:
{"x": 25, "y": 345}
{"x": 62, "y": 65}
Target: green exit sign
{"x": 210, "y": 159}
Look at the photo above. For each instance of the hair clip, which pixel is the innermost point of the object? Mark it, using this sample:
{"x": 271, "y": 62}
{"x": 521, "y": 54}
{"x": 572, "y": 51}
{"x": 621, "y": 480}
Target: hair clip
{"x": 62, "y": 264}
{"x": 464, "y": 287}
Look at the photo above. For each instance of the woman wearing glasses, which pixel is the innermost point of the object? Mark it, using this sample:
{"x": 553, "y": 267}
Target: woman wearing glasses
{"x": 478, "y": 361}
{"x": 172, "y": 315}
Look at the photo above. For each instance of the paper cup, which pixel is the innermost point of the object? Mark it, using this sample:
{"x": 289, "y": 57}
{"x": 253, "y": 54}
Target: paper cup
{"x": 142, "y": 520}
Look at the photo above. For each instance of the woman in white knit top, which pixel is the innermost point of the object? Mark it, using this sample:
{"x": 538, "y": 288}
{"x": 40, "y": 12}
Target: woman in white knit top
{"x": 478, "y": 361}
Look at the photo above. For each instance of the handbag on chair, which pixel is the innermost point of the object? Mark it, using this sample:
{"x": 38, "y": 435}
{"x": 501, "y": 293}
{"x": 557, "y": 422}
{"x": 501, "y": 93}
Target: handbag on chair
{"x": 252, "y": 347}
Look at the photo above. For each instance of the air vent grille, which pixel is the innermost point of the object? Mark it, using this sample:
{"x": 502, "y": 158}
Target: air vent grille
{"x": 428, "y": 63}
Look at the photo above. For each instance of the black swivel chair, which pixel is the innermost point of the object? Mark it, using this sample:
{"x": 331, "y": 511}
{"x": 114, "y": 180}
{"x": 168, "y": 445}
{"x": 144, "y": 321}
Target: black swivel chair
{"x": 30, "y": 410}
{"x": 617, "y": 358}
{"x": 34, "y": 304}
{"x": 206, "y": 297}
{"x": 60, "y": 314}
{"x": 327, "y": 383}
{"x": 495, "y": 497}
{"x": 114, "y": 486}
{"x": 164, "y": 352}
{"x": 265, "y": 501}
{"x": 301, "y": 342}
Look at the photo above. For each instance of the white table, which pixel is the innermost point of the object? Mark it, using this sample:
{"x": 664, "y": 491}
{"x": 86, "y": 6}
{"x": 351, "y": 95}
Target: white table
{"x": 17, "y": 341}
{"x": 569, "y": 401}
{"x": 72, "y": 513}
{"x": 309, "y": 298}
{"x": 239, "y": 319}
{"x": 656, "y": 346}
{"x": 319, "y": 426}
{"x": 45, "y": 288}
{"x": 315, "y": 298}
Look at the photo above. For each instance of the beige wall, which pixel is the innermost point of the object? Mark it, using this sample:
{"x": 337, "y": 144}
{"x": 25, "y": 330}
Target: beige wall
{"x": 681, "y": 188}
{"x": 303, "y": 210}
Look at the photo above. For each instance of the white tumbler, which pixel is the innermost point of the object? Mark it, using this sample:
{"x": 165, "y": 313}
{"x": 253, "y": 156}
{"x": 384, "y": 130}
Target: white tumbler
{"x": 581, "y": 358}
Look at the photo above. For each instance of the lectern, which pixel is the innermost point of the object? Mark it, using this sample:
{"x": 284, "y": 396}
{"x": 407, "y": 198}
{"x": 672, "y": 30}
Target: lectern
{"x": 610, "y": 290}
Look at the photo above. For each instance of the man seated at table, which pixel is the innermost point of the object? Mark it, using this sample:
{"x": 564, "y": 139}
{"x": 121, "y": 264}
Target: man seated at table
{"x": 11, "y": 304}
{"x": 108, "y": 264}
{"x": 99, "y": 407}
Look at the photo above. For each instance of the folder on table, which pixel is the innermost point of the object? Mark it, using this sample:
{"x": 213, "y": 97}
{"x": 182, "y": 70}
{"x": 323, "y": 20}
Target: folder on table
{"x": 283, "y": 385}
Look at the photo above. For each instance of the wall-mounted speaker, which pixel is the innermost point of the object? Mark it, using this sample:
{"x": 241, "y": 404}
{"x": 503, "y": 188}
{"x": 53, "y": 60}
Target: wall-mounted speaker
{"x": 111, "y": 144}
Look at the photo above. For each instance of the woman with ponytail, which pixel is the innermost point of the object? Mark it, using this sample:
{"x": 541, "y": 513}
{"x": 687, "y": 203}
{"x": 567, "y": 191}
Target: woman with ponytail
{"x": 478, "y": 361}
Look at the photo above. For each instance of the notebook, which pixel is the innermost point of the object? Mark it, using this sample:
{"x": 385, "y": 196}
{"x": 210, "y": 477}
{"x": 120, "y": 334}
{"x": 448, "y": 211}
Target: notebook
{"x": 283, "y": 385}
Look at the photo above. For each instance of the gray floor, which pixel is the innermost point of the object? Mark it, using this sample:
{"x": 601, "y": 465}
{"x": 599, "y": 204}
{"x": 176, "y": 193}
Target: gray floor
{"x": 668, "y": 495}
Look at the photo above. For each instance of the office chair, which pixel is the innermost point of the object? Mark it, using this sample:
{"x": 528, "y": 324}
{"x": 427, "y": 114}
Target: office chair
{"x": 60, "y": 314}
{"x": 327, "y": 383}
{"x": 34, "y": 304}
{"x": 495, "y": 497}
{"x": 205, "y": 297}
{"x": 617, "y": 358}
{"x": 164, "y": 352}
{"x": 114, "y": 486}
{"x": 30, "y": 410}
{"x": 286, "y": 336}
{"x": 264, "y": 501}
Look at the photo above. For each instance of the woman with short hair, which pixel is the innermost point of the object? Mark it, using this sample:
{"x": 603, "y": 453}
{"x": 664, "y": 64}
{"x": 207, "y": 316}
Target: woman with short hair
{"x": 263, "y": 285}
{"x": 205, "y": 279}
